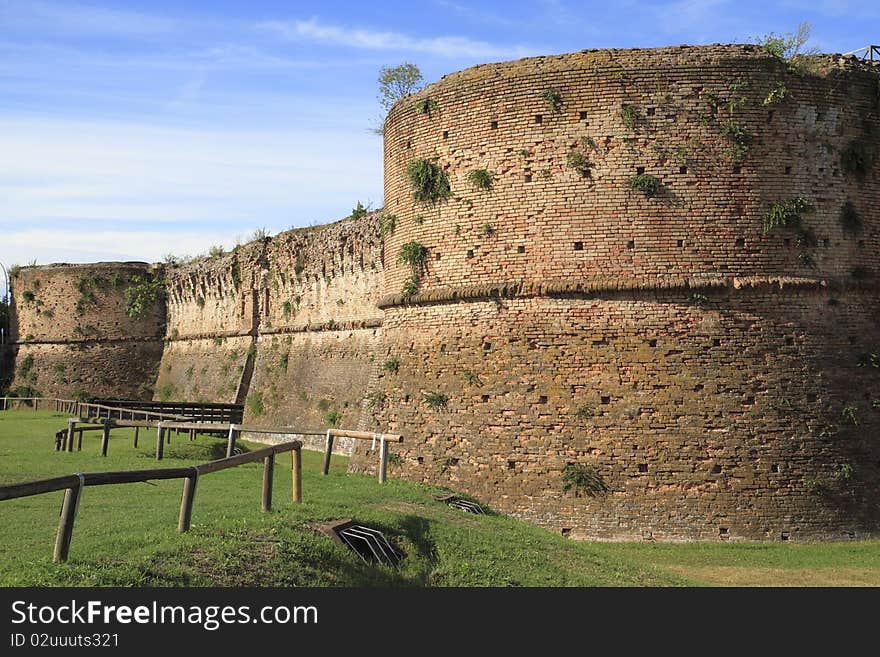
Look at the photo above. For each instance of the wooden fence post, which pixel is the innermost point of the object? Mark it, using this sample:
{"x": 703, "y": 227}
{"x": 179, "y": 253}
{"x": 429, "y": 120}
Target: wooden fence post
{"x": 383, "y": 459}
{"x": 186, "y": 502}
{"x": 105, "y": 437}
{"x": 327, "y": 451}
{"x": 268, "y": 470}
{"x": 65, "y": 524}
{"x": 230, "y": 442}
{"x": 136, "y": 430}
{"x": 296, "y": 473}
{"x": 71, "y": 425}
{"x": 160, "y": 441}
{"x": 79, "y": 440}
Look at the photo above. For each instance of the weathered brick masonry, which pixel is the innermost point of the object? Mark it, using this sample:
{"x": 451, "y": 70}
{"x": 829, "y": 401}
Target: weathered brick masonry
{"x": 303, "y": 304}
{"x": 72, "y": 334}
{"x": 717, "y": 380}
{"x": 714, "y": 377}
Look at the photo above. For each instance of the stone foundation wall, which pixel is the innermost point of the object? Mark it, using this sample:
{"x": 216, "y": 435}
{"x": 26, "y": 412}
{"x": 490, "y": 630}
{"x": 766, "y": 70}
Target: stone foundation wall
{"x": 750, "y": 415}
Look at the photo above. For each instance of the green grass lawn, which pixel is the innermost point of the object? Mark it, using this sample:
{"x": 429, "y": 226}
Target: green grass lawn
{"x": 126, "y": 535}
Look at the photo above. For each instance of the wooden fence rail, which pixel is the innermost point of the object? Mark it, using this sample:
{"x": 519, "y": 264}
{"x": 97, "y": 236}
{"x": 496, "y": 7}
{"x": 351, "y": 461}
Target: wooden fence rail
{"x": 60, "y": 405}
{"x": 72, "y": 486}
{"x": 64, "y": 438}
{"x": 383, "y": 438}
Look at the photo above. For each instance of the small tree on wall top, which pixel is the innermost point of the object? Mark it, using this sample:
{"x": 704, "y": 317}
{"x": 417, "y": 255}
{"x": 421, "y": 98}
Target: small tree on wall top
{"x": 396, "y": 82}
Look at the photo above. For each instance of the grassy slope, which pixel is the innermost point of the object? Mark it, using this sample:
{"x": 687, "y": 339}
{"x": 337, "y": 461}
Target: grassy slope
{"x": 126, "y": 534}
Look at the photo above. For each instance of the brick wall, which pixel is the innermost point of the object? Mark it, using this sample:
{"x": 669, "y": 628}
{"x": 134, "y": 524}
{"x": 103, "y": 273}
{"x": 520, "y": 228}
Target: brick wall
{"x": 303, "y": 302}
{"x": 705, "y": 372}
{"x": 710, "y": 380}
{"x": 73, "y": 335}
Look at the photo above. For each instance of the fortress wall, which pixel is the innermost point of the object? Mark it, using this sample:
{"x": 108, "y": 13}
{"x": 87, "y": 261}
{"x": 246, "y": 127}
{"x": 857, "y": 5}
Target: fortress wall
{"x": 202, "y": 369}
{"x": 705, "y": 372}
{"x": 73, "y": 335}
{"x": 211, "y": 323}
{"x": 710, "y": 380}
{"x": 723, "y": 420}
{"x": 303, "y": 303}
{"x": 318, "y": 334}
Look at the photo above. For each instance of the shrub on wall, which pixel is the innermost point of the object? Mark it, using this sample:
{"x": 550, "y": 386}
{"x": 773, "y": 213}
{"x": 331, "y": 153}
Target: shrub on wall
{"x": 387, "y": 224}
{"x": 579, "y": 162}
{"x": 427, "y": 106}
{"x": 850, "y": 220}
{"x": 142, "y": 295}
{"x": 429, "y": 182}
{"x": 646, "y": 183}
{"x": 436, "y": 400}
{"x": 858, "y": 157}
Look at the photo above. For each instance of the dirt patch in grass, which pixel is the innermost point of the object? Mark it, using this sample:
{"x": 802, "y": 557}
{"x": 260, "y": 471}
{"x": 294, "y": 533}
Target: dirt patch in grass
{"x": 745, "y": 576}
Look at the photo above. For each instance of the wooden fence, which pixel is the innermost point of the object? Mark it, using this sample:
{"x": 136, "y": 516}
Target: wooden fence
{"x": 72, "y": 486}
{"x": 199, "y": 411}
{"x": 60, "y": 405}
{"x": 64, "y": 439}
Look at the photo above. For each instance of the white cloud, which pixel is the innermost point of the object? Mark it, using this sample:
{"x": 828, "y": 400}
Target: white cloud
{"x": 50, "y": 246}
{"x": 63, "y": 180}
{"x": 443, "y": 46}
{"x": 79, "y": 18}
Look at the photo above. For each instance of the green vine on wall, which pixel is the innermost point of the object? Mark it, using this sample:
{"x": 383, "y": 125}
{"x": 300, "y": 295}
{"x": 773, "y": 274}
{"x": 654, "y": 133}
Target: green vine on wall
{"x": 142, "y": 294}
{"x": 788, "y": 215}
{"x": 553, "y": 99}
{"x": 415, "y": 255}
{"x": 776, "y": 95}
{"x": 630, "y": 116}
{"x": 86, "y": 285}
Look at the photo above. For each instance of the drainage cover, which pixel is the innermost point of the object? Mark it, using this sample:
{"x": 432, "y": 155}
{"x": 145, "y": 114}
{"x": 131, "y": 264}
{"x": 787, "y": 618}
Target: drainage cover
{"x": 369, "y": 544}
{"x": 464, "y": 505}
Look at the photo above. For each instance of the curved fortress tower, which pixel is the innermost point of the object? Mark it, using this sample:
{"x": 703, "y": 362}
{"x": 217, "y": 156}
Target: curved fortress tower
{"x": 74, "y": 336}
{"x": 610, "y": 313}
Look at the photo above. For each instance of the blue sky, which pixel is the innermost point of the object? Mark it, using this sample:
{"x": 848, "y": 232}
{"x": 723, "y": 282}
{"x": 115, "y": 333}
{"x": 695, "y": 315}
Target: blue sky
{"x": 129, "y": 130}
